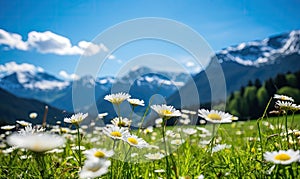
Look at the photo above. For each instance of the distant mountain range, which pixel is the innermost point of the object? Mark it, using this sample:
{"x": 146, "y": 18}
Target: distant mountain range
{"x": 247, "y": 61}
{"x": 259, "y": 59}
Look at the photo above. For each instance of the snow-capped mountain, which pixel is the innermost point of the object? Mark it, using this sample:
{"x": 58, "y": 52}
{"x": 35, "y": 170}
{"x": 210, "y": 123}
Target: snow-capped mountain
{"x": 247, "y": 61}
{"x": 28, "y": 81}
{"x": 261, "y": 52}
{"x": 27, "y": 76}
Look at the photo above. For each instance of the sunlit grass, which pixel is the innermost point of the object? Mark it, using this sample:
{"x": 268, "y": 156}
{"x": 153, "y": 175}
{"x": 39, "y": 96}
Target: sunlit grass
{"x": 233, "y": 150}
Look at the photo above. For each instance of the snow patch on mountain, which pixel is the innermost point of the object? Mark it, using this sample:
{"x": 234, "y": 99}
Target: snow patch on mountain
{"x": 256, "y": 53}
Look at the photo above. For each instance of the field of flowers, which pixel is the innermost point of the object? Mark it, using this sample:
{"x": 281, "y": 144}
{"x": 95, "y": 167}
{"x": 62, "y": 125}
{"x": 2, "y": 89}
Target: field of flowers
{"x": 220, "y": 147}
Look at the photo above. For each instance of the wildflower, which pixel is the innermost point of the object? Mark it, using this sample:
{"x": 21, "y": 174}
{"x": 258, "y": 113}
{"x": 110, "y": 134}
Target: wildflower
{"x": 23, "y": 123}
{"x": 154, "y": 156}
{"x": 33, "y": 115}
{"x": 117, "y": 98}
{"x": 102, "y": 115}
{"x": 165, "y": 111}
{"x": 215, "y": 116}
{"x": 190, "y": 131}
{"x": 115, "y": 132}
{"x": 136, "y": 102}
{"x": 185, "y": 121}
{"x": 30, "y": 129}
{"x": 284, "y": 105}
{"x": 98, "y": 153}
{"x": 76, "y": 118}
{"x": 220, "y": 147}
{"x": 121, "y": 122}
{"x": 158, "y": 122}
{"x": 36, "y": 142}
{"x": 135, "y": 141}
{"x": 8, "y": 127}
{"x": 177, "y": 141}
{"x": 282, "y": 157}
{"x": 283, "y": 97}
{"x": 149, "y": 129}
{"x": 94, "y": 168}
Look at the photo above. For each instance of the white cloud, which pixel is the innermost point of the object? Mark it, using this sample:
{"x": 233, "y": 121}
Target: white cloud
{"x": 12, "y": 67}
{"x": 189, "y": 64}
{"x": 49, "y": 42}
{"x": 12, "y": 40}
{"x": 67, "y": 76}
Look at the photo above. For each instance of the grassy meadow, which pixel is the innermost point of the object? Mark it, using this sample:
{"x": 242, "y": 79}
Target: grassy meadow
{"x": 234, "y": 149}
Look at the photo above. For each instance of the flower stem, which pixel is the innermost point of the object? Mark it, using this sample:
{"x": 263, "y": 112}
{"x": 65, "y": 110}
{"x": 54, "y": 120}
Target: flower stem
{"x": 79, "y": 143}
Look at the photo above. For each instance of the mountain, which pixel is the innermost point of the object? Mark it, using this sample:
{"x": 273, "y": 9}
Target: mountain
{"x": 29, "y": 81}
{"x": 247, "y": 61}
{"x": 14, "y": 108}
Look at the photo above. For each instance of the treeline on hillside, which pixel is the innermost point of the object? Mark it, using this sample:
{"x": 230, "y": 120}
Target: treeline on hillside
{"x": 250, "y": 101}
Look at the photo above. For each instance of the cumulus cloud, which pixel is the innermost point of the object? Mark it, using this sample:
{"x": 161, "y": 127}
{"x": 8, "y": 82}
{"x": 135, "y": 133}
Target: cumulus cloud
{"x": 12, "y": 67}
{"x": 12, "y": 40}
{"x": 49, "y": 42}
{"x": 67, "y": 76}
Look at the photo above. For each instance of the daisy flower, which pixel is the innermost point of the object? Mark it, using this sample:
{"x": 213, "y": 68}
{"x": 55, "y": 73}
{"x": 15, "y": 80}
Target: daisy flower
{"x": 285, "y": 105}
{"x": 98, "y": 153}
{"x": 154, "y": 156}
{"x": 23, "y": 123}
{"x": 8, "y": 127}
{"x": 30, "y": 129}
{"x": 121, "y": 122}
{"x": 283, "y": 97}
{"x": 102, "y": 115}
{"x": 177, "y": 141}
{"x": 76, "y": 118}
{"x": 136, "y": 102}
{"x": 135, "y": 141}
{"x": 220, "y": 147}
{"x": 94, "y": 168}
{"x": 165, "y": 111}
{"x": 37, "y": 142}
{"x": 117, "y": 98}
{"x": 215, "y": 116}
{"x": 189, "y": 131}
{"x": 33, "y": 115}
{"x": 282, "y": 157}
{"x": 115, "y": 132}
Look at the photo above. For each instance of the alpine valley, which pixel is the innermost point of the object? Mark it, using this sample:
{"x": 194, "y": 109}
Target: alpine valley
{"x": 260, "y": 59}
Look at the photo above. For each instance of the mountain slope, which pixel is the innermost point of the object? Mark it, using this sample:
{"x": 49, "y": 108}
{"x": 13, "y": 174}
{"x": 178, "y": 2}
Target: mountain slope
{"x": 13, "y": 108}
{"x": 247, "y": 61}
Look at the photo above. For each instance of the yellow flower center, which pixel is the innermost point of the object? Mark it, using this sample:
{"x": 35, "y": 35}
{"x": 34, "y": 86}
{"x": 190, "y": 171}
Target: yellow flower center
{"x": 214, "y": 116}
{"x": 116, "y": 134}
{"x": 132, "y": 140}
{"x": 166, "y": 112}
{"x": 282, "y": 157}
{"x": 99, "y": 154}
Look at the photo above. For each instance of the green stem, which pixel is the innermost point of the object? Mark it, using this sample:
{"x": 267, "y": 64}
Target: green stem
{"x": 260, "y": 139}
{"x": 286, "y": 130}
{"x": 79, "y": 141}
{"x": 165, "y": 146}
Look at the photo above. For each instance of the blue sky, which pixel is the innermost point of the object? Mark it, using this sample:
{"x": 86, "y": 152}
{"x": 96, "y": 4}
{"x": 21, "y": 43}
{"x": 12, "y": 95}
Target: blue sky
{"x": 72, "y": 25}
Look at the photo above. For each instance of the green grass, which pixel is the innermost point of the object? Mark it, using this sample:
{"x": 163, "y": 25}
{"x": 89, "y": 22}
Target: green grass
{"x": 243, "y": 159}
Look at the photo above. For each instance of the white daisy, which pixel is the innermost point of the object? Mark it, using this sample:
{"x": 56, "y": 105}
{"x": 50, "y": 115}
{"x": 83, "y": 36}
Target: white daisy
{"x": 30, "y": 129}
{"x": 282, "y": 157}
{"x": 215, "y": 116}
{"x": 117, "y": 98}
{"x": 33, "y": 115}
{"x": 165, "y": 111}
{"x": 94, "y": 168}
{"x": 220, "y": 147}
{"x": 115, "y": 132}
{"x": 283, "y": 97}
{"x": 135, "y": 141}
{"x": 121, "y": 122}
{"x": 98, "y": 153}
{"x": 102, "y": 115}
{"x": 37, "y": 142}
{"x": 177, "y": 141}
{"x": 285, "y": 105}
{"x": 23, "y": 123}
{"x": 185, "y": 121}
{"x": 154, "y": 156}
{"x": 136, "y": 102}
{"x": 8, "y": 127}
{"x": 76, "y": 118}
{"x": 189, "y": 131}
